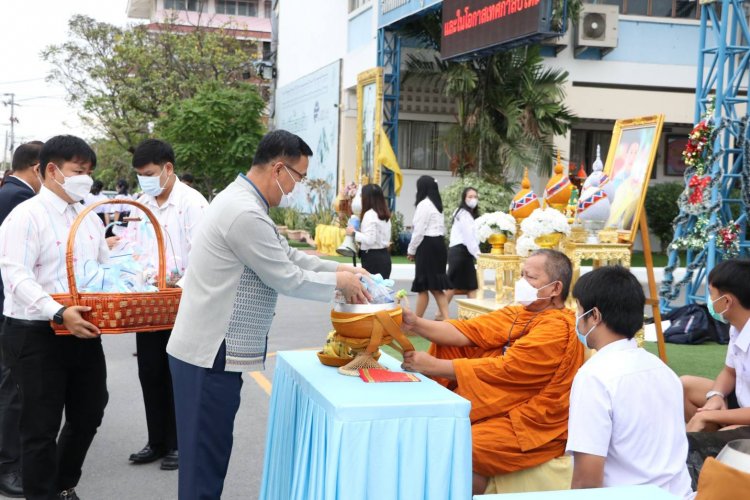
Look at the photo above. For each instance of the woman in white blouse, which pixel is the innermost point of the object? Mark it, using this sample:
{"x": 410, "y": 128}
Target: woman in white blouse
{"x": 427, "y": 248}
{"x": 95, "y": 196}
{"x": 463, "y": 248}
{"x": 374, "y": 235}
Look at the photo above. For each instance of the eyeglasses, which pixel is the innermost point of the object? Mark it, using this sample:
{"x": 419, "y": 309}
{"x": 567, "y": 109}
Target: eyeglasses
{"x": 302, "y": 177}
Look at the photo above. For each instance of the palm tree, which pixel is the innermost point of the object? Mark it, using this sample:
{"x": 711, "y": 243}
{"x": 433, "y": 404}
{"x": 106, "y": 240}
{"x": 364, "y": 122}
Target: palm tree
{"x": 508, "y": 105}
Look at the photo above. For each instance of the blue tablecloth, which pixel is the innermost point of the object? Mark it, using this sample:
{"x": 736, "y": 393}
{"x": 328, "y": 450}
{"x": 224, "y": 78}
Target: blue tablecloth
{"x": 645, "y": 492}
{"x": 331, "y": 436}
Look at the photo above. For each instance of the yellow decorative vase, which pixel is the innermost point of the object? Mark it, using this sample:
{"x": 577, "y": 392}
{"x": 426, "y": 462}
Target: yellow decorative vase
{"x": 497, "y": 240}
{"x": 550, "y": 241}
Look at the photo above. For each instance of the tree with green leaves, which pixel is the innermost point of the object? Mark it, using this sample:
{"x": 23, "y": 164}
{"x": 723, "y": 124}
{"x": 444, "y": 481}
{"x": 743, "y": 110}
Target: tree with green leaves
{"x": 509, "y": 106}
{"x": 215, "y": 133}
{"x": 123, "y": 78}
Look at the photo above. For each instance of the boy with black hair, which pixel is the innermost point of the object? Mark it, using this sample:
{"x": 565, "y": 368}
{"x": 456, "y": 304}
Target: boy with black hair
{"x": 625, "y": 425}
{"x": 179, "y": 210}
{"x": 55, "y": 374}
{"x": 725, "y": 402}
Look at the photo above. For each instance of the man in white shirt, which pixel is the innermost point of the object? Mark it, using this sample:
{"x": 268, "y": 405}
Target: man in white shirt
{"x": 725, "y": 402}
{"x": 625, "y": 425}
{"x": 54, "y": 373}
{"x": 179, "y": 210}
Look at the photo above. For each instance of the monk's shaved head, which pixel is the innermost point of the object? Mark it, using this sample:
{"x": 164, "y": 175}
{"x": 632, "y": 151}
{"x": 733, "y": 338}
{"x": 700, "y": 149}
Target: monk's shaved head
{"x": 558, "y": 267}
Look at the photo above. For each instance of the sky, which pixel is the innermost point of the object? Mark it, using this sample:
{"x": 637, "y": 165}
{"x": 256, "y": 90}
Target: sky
{"x": 26, "y": 28}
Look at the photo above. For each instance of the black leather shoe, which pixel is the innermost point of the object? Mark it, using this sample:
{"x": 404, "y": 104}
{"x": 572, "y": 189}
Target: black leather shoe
{"x": 147, "y": 455}
{"x": 68, "y": 494}
{"x": 170, "y": 461}
{"x": 11, "y": 485}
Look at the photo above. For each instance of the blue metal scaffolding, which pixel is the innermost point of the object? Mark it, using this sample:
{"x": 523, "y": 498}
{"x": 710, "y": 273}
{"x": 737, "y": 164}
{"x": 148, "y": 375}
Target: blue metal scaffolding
{"x": 389, "y": 58}
{"x": 723, "y": 63}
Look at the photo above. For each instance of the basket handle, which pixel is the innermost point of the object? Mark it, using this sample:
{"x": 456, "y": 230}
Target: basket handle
{"x": 161, "y": 277}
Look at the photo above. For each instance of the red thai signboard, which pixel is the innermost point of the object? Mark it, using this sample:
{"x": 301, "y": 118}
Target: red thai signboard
{"x": 475, "y": 25}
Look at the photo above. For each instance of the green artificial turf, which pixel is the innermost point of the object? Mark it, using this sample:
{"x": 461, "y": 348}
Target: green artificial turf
{"x": 705, "y": 360}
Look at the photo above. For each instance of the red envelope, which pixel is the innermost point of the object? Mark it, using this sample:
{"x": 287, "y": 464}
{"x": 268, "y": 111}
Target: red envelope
{"x": 379, "y": 375}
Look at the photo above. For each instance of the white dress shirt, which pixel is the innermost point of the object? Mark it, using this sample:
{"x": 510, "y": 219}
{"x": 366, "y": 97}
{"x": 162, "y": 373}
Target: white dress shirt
{"x": 626, "y": 405}
{"x": 464, "y": 232}
{"x": 738, "y": 357}
{"x": 33, "y": 241}
{"x": 374, "y": 233}
{"x": 427, "y": 221}
{"x": 178, "y": 217}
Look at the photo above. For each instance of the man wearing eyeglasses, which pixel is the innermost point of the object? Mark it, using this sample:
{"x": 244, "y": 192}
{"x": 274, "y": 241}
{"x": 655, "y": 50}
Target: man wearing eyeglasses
{"x": 238, "y": 265}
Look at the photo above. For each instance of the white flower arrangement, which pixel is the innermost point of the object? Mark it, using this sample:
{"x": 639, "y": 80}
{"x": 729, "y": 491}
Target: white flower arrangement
{"x": 544, "y": 221}
{"x": 495, "y": 222}
{"x": 525, "y": 245}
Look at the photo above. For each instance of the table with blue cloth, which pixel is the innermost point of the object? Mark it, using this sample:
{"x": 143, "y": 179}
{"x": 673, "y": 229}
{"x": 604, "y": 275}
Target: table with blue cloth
{"x": 332, "y": 436}
{"x": 642, "y": 492}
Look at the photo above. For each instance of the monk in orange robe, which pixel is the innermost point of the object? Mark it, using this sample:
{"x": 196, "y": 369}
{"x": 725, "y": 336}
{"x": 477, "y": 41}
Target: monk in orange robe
{"x": 516, "y": 367}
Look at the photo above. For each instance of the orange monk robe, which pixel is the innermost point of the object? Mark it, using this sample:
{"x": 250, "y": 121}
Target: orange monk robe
{"x": 519, "y": 399}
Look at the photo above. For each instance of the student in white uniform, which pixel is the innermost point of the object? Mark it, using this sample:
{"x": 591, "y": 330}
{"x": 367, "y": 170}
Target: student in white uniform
{"x": 725, "y": 402}
{"x": 626, "y": 425}
{"x": 374, "y": 236}
{"x": 463, "y": 248}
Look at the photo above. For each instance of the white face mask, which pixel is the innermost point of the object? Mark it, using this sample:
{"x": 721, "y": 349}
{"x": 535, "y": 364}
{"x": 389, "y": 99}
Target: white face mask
{"x": 152, "y": 185}
{"x": 472, "y": 203}
{"x": 526, "y": 294}
{"x": 75, "y": 186}
{"x": 289, "y": 199}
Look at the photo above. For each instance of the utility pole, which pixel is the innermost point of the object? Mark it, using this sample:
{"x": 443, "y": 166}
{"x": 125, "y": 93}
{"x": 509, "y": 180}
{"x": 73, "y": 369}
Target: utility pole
{"x": 13, "y": 120}
{"x": 5, "y": 150}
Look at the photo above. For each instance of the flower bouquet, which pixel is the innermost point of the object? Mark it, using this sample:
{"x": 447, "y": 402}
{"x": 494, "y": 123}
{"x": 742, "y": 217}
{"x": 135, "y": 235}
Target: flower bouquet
{"x": 495, "y": 228}
{"x": 542, "y": 229}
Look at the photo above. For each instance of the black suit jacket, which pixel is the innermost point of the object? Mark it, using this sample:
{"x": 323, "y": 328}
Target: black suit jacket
{"x": 12, "y": 193}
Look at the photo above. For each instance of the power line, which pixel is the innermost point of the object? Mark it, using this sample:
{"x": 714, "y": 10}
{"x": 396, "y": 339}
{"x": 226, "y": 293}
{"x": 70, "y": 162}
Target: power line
{"x": 23, "y": 81}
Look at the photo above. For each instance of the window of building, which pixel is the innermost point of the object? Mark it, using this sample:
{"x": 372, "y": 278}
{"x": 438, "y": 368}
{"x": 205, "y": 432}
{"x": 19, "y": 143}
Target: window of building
{"x": 356, "y": 4}
{"x": 191, "y": 5}
{"x": 267, "y": 7}
{"x": 685, "y": 9}
{"x": 266, "y": 54}
{"x": 421, "y": 146}
{"x": 237, "y": 7}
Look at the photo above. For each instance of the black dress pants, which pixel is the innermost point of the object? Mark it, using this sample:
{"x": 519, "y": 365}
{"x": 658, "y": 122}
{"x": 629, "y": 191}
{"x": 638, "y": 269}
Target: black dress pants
{"x": 156, "y": 383}
{"x": 10, "y": 420}
{"x": 55, "y": 374}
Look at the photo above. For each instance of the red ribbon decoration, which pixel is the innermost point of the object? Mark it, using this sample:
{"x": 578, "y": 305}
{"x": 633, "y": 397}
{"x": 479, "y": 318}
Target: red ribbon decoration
{"x": 697, "y": 185}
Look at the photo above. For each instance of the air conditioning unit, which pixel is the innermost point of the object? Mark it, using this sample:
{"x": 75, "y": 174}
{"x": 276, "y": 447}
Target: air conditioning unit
{"x": 597, "y": 28}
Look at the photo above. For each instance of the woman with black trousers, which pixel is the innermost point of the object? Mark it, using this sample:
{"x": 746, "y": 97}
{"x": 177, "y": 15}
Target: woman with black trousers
{"x": 427, "y": 248}
{"x": 374, "y": 235}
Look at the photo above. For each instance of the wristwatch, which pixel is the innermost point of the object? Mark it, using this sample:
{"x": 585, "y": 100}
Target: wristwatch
{"x": 711, "y": 394}
{"x": 58, "y": 317}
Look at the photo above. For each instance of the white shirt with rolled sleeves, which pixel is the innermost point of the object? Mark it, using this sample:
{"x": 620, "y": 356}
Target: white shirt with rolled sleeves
{"x": 178, "y": 217}
{"x": 427, "y": 221}
{"x": 374, "y": 233}
{"x": 464, "y": 232}
{"x": 239, "y": 263}
{"x": 33, "y": 242}
{"x": 626, "y": 405}
{"x": 738, "y": 357}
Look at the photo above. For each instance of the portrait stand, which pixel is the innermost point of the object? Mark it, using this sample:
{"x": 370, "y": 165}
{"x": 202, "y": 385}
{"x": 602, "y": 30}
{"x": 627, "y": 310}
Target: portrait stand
{"x": 642, "y": 135}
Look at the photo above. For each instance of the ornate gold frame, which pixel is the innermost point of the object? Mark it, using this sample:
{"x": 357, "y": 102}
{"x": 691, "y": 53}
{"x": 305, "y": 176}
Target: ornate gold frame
{"x": 369, "y": 77}
{"x": 656, "y": 121}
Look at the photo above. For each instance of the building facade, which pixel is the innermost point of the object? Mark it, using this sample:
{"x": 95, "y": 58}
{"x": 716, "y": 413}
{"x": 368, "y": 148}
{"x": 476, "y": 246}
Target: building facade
{"x": 644, "y": 64}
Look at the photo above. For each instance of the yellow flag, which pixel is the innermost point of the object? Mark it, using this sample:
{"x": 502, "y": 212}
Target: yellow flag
{"x": 387, "y": 158}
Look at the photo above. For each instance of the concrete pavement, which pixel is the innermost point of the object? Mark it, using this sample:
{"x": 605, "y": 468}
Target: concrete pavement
{"x": 107, "y": 474}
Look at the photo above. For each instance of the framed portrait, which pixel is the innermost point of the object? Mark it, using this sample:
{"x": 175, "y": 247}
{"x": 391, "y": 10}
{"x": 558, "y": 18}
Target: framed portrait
{"x": 629, "y": 164}
{"x": 674, "y": 165}
{"x": 369, "y": 121}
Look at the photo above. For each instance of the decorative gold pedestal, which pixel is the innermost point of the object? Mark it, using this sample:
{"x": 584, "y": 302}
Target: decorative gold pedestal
{"x": 603, "y": 254}
{"x": 507, "y": 270}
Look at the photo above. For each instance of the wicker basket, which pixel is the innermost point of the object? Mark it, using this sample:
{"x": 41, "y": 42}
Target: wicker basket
{"x": 122, "y": 312}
